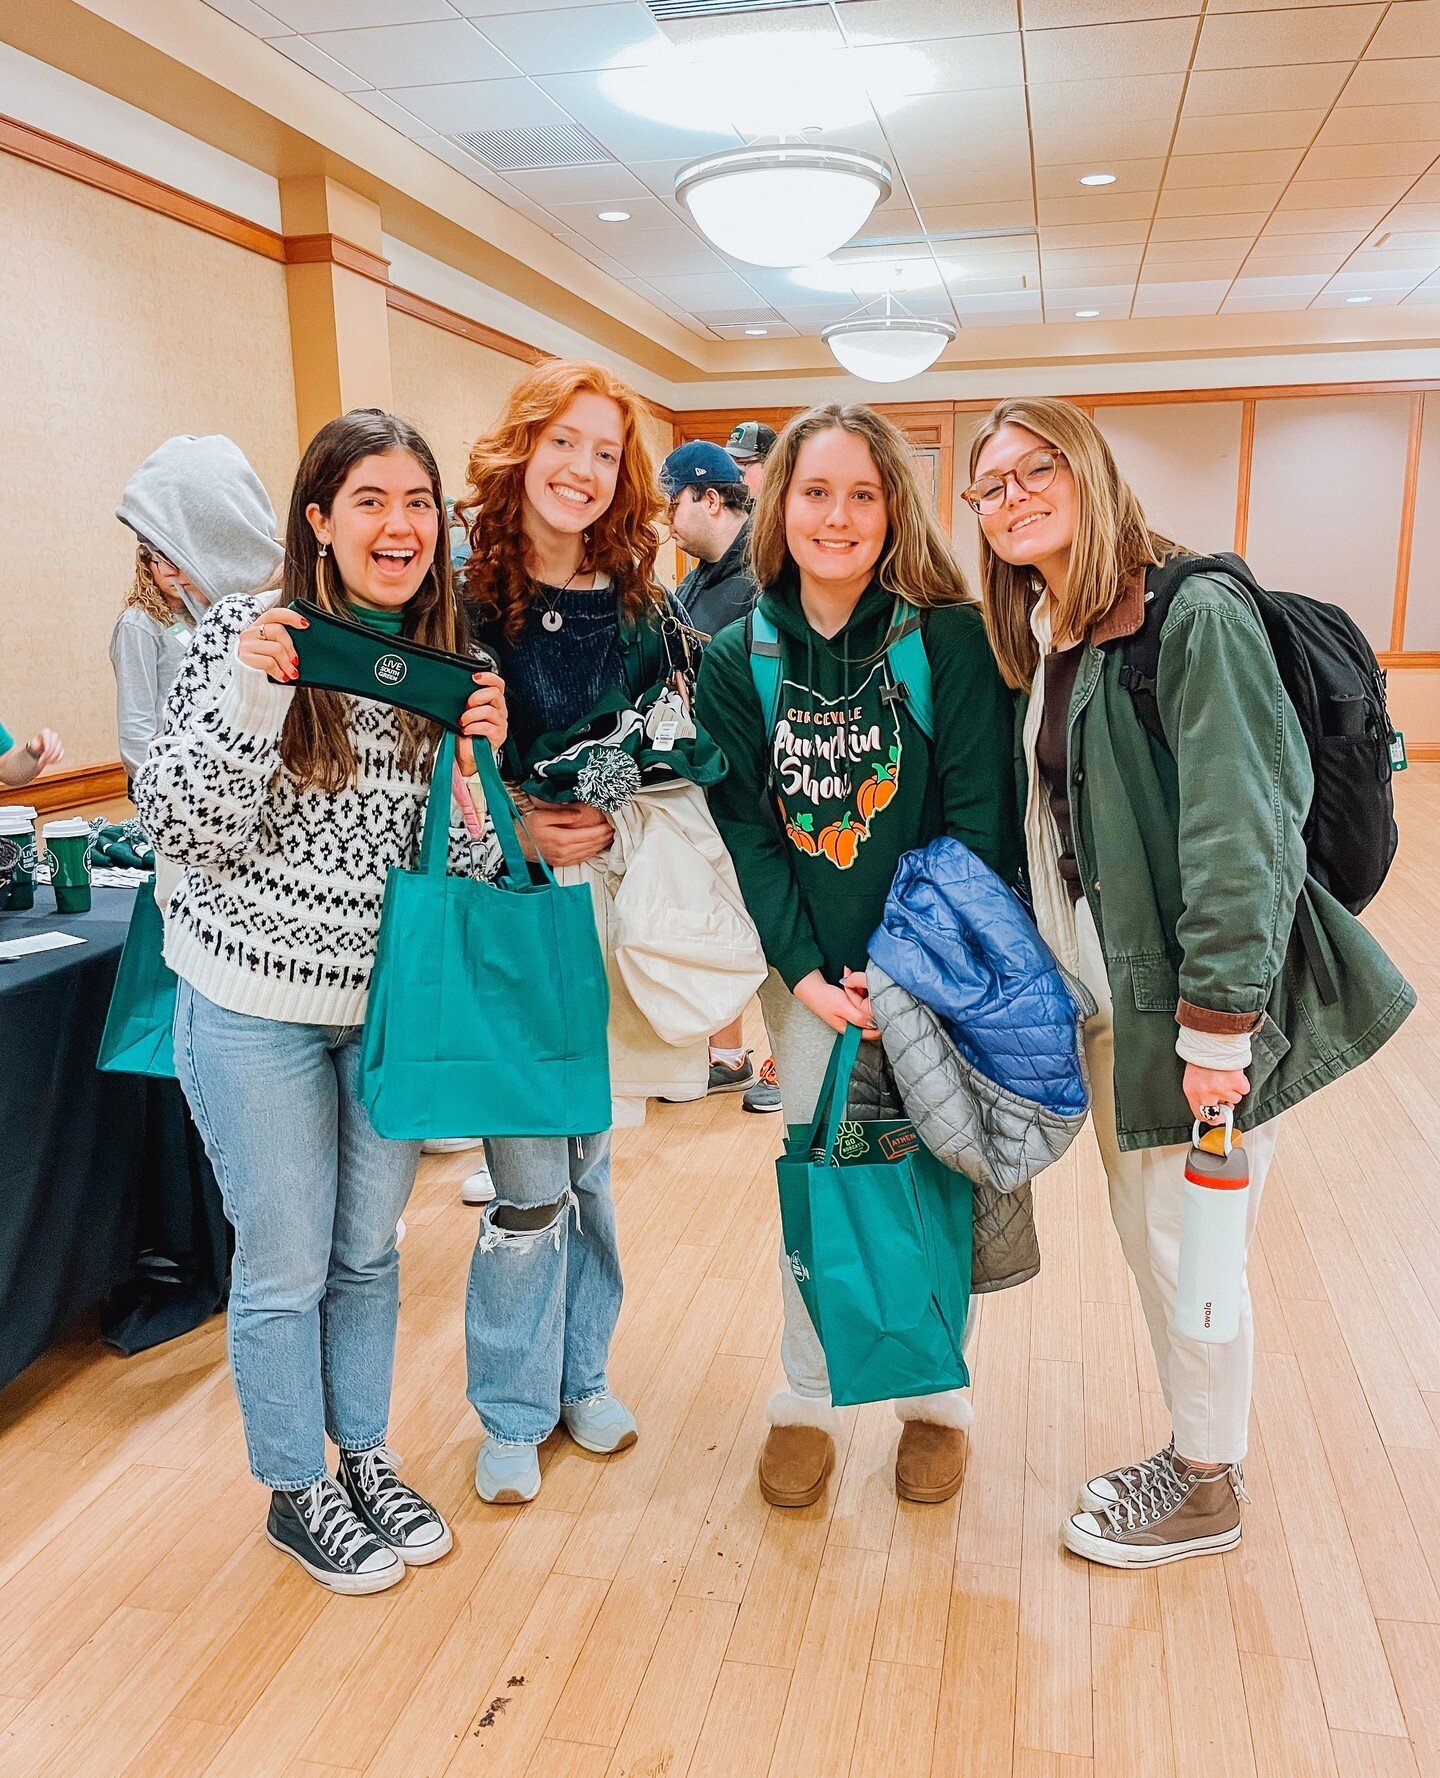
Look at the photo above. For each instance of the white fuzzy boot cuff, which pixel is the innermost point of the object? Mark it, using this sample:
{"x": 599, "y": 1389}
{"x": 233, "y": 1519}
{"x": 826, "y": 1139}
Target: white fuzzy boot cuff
{"x": 951, "y": 1407}
{"x": 786, "y": 1408}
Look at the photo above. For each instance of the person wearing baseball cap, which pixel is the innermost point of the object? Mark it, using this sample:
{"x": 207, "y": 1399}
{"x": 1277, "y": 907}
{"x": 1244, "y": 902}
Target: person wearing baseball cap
{"x": 709, "y": 514}
{"x": 750, "y": 444}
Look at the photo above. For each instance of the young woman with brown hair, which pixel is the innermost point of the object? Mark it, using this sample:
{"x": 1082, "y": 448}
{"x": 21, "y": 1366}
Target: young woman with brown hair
{"x": 817, "y": 811}
{"x": 287, "y": 806}
{"x": 1168, "y": 876}
{"x": 561, "y": 514}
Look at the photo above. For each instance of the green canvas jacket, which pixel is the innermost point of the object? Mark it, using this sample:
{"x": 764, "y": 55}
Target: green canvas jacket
{"x": 1193, "y": 866}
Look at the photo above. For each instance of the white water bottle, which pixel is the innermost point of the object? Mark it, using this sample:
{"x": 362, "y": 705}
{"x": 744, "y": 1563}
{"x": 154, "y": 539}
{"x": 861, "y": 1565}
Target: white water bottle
{"x": 1212, "y": 1233}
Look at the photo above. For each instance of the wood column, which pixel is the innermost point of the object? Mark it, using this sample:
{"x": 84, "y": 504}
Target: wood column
{"x": 339, "y": 332}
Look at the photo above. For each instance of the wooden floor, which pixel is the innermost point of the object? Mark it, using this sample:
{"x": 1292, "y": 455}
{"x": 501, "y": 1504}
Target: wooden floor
{"x": 649, "y": 1617}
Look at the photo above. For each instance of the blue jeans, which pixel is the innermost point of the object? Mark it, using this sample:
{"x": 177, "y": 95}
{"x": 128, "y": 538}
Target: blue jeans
{"x": 314, "y": 1196}
{"x": 545, "y": 1285}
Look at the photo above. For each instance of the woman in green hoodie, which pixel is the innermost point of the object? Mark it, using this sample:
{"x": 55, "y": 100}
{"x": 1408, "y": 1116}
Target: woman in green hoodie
{"x": 820, "y": 802}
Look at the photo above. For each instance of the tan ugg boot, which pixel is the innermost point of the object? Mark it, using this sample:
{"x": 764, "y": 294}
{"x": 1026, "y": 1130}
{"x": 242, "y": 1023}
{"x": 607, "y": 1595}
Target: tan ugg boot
{"x": 799, "y": 1451}
{"x": 930, "y": 1463}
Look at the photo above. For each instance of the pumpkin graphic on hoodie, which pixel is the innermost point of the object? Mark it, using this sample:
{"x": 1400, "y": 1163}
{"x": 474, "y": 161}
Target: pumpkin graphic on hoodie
{"x": 836, "y": 766}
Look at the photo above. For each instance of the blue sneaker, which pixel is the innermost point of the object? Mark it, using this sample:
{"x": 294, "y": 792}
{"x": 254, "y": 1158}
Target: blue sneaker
{"x": 507, "y": 1475}
{"x": 602, "y": 1425}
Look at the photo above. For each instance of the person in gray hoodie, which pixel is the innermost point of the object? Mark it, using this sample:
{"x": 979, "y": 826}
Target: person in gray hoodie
{"x": 205, "y": 529}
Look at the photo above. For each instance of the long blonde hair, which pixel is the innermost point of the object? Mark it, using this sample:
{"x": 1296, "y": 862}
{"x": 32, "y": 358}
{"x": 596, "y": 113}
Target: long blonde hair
{"x": 917, "y": 563}
{"x": 145, "y": 594}
{"x": 1112, "y": 540}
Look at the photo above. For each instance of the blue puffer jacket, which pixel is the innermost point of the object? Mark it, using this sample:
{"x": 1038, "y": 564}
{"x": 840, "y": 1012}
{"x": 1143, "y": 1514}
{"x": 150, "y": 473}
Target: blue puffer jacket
{"x": 963, "y": 944}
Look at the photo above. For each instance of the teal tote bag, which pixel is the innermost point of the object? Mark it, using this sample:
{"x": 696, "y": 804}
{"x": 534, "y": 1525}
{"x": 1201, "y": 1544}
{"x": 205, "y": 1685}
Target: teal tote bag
{"x": 139, "y": 1027}
{"x": 488, "y": 1002}
{"x": 878, "y": 1235}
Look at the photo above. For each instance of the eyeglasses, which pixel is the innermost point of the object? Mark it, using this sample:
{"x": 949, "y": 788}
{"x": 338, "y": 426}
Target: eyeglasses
{"x": 1033, "y": 474}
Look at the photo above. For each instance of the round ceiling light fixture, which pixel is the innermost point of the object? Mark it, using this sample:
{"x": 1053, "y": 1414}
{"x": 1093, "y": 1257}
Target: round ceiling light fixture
{"x": 613, "y": 215}
{"x": 888, "y": 348}
{"x": 1358, "y": 299}
{"x": 756, "y": 333}
{"x": 783, "y": 204}
{"x": 1086, "y": 314}
{"x": 1097, "y": 178}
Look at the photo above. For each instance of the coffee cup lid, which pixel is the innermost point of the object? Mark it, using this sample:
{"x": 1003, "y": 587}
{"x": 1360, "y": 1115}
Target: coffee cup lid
{"x": 17, "y": 809}
{"x": 69, "y": 828}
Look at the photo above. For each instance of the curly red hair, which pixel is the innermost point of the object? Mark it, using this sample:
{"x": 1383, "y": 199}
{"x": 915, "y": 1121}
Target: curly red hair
{"x": 623, "y": 543}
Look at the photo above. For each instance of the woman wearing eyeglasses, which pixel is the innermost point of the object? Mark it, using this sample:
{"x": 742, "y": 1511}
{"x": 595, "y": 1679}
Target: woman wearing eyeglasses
{"x": 1167, "y": 877}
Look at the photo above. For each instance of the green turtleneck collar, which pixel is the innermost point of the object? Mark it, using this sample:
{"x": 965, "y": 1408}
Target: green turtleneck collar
{"x": 389, "y": 623}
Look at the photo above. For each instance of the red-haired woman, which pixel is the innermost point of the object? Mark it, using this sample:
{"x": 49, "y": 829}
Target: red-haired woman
{"x": 561, "y": 516}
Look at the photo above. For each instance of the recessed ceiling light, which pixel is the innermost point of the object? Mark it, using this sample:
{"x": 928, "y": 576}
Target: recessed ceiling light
{"x": 756, "y": 333}
{"x": 1358, "y": 299}
{"x": 614, "y": 215}
{"x": 1097, "y": 178}
{"x": 1086, "y": 314}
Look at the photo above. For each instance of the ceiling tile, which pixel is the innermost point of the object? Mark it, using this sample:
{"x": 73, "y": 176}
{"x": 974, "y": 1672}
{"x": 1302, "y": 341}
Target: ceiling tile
{"x": 1383, "y": 123}
{"x": 1333, "y": 245}
{"x": 1426, "y": 190}
{"x": 1293, "y": 265}
{"x": 1185, "y": 252}
{"x": 1216, "y": 92}
{"x": 774, "y": 328}
{"x": 1154, "y": 46}
{"x": 1333, "y": 194}
{"x": 813, "y": 25}
{"x": 1411, "y": 214}
{"x": 1208, "y": 272}
{"x": 1202, "y": 228}
{"x": 646, "y": 214}
{"x": 315, "y": 61}
{"x": 1413, "y": 81}
{"x": 1282, "y": 285}
{"x": 947, "y": 182}
{"x": 1362, "y": 272}
{"x": 939, "y": 218}
{"x": 1255, "y": 129}
{"x": 942, "y": 65}
{"x": 626, "y": 135}
{"x": 1045, "y": 14}
{"x": 1336, "y": 299}
{"x": 1428, "y": 292}
{"x": 338, "y": 15}
{"x": 657, "y": 253}
{"x": 1068, "y": 298}
{"x": 381, "y": 105}
{"x": 1107, "y": 102}
{"x": 1256, "y": 166}
{"x": 1260, "y": 305}
{"x": 1367, "y": 160}
{"x": 903, "y": 21}
{"x": 1303, "y": 222}
{"x": 1089, "y": 277}
{"x": 1130, "y": 176}
{"x": 254, "y": 18}
{"x": 1183, "y": 299}
{"x": 391, "y": 56}
{"x": 1217, "y": 200}
{"x": 1098, "y": 206}
{"x": 928, "y": 123}
{"x": 1094, "y": 263}
{"x": 721, "y": 291}
{"x": 606, "y": 187}
{"x": 1093, "y": 234}
{"x": 468, "y": 105}
{"x": 1412, "y": 30}
{"x": 579, "y": 38}
{"x": 1062, "y": 139}
{"x": 1265, "y": 5}
{"x": 1281, "y": 39}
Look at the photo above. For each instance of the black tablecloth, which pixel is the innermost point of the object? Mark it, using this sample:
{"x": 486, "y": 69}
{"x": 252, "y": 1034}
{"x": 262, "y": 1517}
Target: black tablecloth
{"x": 106, "y": 1197}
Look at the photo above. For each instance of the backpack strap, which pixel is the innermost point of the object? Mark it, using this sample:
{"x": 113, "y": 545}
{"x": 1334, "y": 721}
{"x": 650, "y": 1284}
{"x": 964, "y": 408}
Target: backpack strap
{"x": 910, "y": 669}
{"x": 1141, "y": 671}
{"x": 905, "y": 658}
{"x": 764, "y": 641}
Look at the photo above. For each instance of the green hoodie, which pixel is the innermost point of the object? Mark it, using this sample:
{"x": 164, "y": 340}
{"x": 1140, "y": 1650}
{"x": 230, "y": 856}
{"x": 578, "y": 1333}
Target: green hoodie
{"x": 816, "y": 819}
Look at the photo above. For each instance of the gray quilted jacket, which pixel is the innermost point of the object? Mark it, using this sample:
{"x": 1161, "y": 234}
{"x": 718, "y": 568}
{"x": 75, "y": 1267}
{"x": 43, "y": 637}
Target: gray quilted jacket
{"x": 999, "y": 1140}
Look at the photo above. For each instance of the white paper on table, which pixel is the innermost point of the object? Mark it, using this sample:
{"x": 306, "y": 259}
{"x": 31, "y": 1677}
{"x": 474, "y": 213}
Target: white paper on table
{"x": 42, "y": 941}
{"x": 118, "y": 877}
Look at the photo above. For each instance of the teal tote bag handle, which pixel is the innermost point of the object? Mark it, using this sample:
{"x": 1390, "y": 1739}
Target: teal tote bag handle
{"x": 435, "y": 841}
{"x": 834, "y": 1093}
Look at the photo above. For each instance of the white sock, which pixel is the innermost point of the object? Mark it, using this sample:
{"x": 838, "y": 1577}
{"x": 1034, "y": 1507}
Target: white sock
{"x": 733, "y": 1057}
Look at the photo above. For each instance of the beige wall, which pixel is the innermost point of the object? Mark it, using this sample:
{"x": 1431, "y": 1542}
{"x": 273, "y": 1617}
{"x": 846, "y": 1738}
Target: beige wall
{"x": 120, "y": 328}
{"x": 451, "y": 388}
{"x": 1422, "y": 609}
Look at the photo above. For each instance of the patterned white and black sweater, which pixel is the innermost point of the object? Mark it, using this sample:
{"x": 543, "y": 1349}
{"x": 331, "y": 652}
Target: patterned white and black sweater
{"x": 278, "y": 911}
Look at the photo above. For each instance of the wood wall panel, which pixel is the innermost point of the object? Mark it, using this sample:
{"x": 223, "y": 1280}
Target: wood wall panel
{"x": 1422, "y": 607}
{"x": 1183, "y": 462}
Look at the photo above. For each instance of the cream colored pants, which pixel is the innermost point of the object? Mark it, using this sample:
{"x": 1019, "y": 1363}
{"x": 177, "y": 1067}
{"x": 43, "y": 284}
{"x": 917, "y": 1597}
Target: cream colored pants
{"x": 1206, "y": 1388}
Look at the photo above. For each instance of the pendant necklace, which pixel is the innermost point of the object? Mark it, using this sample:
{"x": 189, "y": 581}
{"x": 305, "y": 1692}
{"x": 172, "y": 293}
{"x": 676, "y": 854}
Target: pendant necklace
{"x": 551, "y": 619}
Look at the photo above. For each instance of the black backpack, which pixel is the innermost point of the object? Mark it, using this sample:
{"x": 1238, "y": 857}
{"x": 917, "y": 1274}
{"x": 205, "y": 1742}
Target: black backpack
{"x": 1331, "y": 676}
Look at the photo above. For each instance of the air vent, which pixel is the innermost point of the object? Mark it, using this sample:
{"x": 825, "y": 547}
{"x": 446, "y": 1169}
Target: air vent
{"x": 526, "y": 151}
{"x": 665, "y": 12}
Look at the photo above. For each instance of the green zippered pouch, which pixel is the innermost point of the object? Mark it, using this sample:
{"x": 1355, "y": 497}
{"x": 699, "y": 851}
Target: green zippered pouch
{"x": 339, "y": 655}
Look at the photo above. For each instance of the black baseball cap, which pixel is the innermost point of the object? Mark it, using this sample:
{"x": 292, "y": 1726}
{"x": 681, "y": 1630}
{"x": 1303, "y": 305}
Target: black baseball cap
{"x": 751, "y": 442}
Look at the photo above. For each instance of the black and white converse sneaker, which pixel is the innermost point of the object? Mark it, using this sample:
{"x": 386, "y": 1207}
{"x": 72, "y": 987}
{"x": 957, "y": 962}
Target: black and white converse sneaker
{"x": 321, "y": 1531}
{"x": 394, "y": 1513}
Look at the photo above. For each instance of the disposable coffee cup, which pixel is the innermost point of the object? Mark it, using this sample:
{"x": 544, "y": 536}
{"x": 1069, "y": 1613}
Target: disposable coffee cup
{"x": 67, "y": 846}
{"x": 17, "y": 825}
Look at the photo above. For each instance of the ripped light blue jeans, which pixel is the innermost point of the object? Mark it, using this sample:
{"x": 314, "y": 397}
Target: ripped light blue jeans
{"x": 545, "y": 1285}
